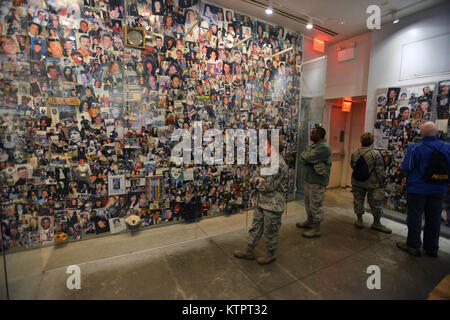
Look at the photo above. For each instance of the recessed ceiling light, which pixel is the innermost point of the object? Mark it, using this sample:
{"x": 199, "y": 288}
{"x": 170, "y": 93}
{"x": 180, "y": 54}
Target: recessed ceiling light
{"x": 395, "y": 18}
{"x": 269, "y": 9}
{"x": 309, "y": 25}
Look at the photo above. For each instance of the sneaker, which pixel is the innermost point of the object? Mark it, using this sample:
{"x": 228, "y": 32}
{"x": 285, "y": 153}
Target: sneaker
{"x": 381, "y": 228}
{"x": 413, "y": 251}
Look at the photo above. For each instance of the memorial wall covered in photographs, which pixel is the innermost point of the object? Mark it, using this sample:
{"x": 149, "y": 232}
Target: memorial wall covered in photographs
{"x": 400, "y": 114}
{"x": 92, "y": 91}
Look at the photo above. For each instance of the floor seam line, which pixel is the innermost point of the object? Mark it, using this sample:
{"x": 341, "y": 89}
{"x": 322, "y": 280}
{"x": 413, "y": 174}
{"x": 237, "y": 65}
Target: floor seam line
{"x": 38, "y": 287}
{"x": 143, "y": 251}
{"x": 207, "y": 236}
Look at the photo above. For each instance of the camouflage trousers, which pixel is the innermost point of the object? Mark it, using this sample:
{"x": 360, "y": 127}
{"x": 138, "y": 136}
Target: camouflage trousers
{"x": 375, "y": 198}
{"x": 313, "y": 198}
{"x": 268, "y": 223}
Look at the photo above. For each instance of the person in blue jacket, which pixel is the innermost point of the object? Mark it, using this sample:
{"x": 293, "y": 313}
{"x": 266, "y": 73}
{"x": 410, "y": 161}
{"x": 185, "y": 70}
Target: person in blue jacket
{"x": 423, "y": 197}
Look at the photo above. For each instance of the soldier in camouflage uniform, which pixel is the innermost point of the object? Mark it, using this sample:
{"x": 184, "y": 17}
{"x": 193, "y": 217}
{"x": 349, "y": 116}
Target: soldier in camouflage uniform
{"x": 373, "y": 187}
{"x": 268, "y": 211}
{"x": 316, "y": 162}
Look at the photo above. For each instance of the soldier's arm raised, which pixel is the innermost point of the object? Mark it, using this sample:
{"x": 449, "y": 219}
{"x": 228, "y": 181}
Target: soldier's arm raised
{"x": 272, "y": 182}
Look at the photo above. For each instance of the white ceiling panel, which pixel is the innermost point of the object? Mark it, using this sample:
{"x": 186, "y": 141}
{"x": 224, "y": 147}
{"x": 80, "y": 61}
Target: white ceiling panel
{"x": 347, "y": 18}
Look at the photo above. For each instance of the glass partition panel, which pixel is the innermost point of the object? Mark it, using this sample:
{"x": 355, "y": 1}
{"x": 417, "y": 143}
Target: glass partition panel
{"x": 312, "y": 101}
{"x": 108, "y": 117}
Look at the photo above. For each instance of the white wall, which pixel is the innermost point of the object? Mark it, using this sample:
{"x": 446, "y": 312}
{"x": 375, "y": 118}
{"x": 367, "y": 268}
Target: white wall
{"x": 386, "y": 52}
{"x": 348, "y": 78}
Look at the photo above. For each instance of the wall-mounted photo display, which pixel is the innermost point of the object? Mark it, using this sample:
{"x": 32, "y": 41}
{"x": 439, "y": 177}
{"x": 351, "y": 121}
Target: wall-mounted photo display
{"x": 400, "y": 115}
{"x": 93, "y": 91}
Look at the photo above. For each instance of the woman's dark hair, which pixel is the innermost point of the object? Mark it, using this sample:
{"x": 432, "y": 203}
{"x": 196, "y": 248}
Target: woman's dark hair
{"x": 68, "y": 77}
{"x": 166, "y": 43}
{"x": 133, "y": 194}
{"x": 223, "y": 67}
{"x": 175, "y": 65}
{"x": 82, "y": 102}
{"x": 210, "y": 51}
{"x": 146, "y": 61}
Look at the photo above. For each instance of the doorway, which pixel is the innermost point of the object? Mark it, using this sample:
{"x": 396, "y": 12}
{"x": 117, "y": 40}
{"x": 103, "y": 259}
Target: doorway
{"x": 344, "y": 130}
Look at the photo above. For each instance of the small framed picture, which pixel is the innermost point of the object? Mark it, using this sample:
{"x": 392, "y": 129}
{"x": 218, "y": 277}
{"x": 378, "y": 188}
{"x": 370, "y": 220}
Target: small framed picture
{"x": 116, "y": 185}
{"x": 117, "y": 225}
{"x": 134, "y": 37}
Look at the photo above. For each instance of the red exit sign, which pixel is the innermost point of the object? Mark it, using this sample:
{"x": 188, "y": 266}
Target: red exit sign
{"x": 346, "y": 106}
{"x": 318, "y": 45}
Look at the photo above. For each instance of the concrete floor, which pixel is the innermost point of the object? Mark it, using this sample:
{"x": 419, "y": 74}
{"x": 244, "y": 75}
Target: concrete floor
{"x": 195, "y": 261}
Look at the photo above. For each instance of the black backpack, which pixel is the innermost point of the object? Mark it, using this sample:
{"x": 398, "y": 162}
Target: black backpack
{"x": 438, "y": 169}
{"x": 361, "y": 171}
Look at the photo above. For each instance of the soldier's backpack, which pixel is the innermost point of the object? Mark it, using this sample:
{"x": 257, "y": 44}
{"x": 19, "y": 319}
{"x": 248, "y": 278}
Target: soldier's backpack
{"x": 361, "y": 172}
{"x": 437, "y": 170}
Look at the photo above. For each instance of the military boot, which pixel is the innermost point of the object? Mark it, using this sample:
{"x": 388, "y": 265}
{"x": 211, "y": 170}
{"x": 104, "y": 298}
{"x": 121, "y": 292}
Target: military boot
{"x": 268, "y": 258}
{"x": 379, "y": 227}
{"x": 308, "y": 224}
{"x": 359, "y": 222}
{"x": 313, "y": 233}
{"x": 248, "y": 253}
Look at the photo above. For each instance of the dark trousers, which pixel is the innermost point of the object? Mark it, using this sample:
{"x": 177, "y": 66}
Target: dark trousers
{"x": 431, "y": 205}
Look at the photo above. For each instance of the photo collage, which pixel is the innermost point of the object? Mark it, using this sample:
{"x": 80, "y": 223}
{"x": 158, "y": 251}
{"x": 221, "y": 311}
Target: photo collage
{"x": 401, "y": 112}
{"x": 92, "y": 91}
